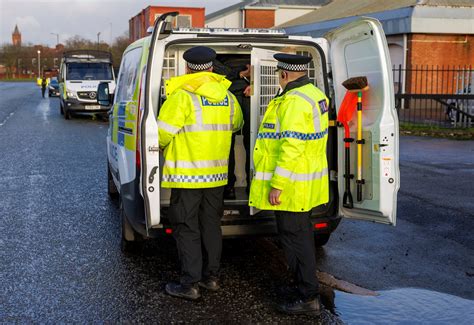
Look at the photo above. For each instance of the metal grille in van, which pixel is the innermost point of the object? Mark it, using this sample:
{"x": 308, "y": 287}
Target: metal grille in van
{"x": 268, "y": 86}
{"x": 169, "y": 69}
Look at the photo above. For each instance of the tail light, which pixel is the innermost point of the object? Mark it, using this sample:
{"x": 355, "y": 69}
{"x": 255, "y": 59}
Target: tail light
{"x": 320, "y": 225}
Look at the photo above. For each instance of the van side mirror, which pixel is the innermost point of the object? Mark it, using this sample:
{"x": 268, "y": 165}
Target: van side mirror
{"x": 103, "y": 97}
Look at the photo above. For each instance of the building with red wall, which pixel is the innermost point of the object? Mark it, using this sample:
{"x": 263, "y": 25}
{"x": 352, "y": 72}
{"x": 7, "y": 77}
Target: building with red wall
{"x": 188, "y": 17}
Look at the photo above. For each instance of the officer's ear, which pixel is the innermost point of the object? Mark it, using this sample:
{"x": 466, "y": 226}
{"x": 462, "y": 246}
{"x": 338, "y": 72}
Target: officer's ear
{"x": 283, "y": 74}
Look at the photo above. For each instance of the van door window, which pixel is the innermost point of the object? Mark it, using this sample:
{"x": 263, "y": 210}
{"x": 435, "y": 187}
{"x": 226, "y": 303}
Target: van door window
{"x": 128, "y": 75}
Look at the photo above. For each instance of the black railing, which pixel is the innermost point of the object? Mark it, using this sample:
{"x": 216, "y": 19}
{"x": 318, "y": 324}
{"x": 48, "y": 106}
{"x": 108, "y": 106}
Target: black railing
{"x": 441, "y": 96}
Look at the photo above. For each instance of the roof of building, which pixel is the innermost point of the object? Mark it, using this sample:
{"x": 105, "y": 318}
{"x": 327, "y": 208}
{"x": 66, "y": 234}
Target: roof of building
{"x": 16, "y": 30}
{"x": 337, "y": 9}
{"x": 265, "y": 3}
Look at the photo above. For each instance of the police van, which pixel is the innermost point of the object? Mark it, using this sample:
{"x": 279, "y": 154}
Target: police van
{"x": 80, "y": 73}
{"x": 135, "y": 161}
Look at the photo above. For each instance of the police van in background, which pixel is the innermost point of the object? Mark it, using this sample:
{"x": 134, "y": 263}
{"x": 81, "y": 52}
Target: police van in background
{"x": 80, "y": 73}
{"x": 135, "y": 161}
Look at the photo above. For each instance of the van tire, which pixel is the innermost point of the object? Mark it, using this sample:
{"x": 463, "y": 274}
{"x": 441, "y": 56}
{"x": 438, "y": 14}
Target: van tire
{"x": 321, "y": 239}
{"x": 61, "y": 107}
{"x": 131, "y": 241}
{"x": 67, "y": 114}
{"x": 111, "y": 188}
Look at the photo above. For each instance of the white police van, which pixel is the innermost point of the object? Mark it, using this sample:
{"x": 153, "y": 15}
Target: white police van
{"x": 80, "y": 73}
{"x": 134, "y": 160}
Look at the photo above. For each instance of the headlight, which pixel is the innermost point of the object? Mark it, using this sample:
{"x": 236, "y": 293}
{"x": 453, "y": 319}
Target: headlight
{"x": 51, "y": 87}
{"x": 71, "y": 94}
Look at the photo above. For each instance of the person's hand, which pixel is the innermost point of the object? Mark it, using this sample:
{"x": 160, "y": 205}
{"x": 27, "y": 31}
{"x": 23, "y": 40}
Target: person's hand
{"x": 247, "y": 91}
{"x": 274, "y": 196}
{"x": 245, "y": 73}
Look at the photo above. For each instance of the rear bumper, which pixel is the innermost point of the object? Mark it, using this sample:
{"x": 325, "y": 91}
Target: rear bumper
{"x": 236, "y": 221}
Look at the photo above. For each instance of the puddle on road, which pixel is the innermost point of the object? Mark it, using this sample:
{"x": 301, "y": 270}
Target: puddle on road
{"x": 404, "y": 306}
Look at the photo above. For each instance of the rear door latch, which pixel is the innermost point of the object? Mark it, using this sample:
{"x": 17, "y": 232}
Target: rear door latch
{"x": 151, "y": 178}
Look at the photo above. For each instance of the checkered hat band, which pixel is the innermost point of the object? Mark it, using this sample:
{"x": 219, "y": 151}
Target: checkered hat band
{"x": 199, "y": 67}
{"x": 292, "y": 67}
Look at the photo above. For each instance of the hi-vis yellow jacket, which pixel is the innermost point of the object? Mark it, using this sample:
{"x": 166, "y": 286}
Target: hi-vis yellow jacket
{"x": 290, "y": 152}
{"x": 195, "y": 128}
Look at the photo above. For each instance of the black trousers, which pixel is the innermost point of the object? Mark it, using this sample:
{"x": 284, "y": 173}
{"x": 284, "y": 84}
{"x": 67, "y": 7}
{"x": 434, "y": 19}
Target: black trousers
{"x": 245, "y": 105}
{"x": 296, "y": 236}
{"x": 195, "y": 217}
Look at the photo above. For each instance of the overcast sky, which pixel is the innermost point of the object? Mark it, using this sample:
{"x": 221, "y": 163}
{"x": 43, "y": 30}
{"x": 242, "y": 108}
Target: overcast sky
{"x": 37, "y": 19}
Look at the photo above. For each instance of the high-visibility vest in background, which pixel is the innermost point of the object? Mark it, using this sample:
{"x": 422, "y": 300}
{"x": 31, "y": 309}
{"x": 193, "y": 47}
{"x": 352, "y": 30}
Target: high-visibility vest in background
{"x": 195, "y": 130}
{"x": 290, "y": 152}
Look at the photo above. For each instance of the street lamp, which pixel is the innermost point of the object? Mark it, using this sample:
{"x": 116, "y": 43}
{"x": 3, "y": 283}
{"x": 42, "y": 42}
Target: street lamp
{"x": 39, "y": 58}
{"x": 98, "y": 35}
{"x": 57, "y": 37}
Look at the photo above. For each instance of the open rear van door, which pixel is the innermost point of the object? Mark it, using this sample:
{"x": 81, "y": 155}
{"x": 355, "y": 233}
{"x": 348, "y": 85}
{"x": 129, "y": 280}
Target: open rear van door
{"x": 150, "y": 154}
{"x": 360, "y": 49}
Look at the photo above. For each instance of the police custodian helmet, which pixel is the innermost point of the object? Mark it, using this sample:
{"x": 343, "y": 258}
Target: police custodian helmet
{"x": 199, "y": 58}
{"x": 292, "y": 62}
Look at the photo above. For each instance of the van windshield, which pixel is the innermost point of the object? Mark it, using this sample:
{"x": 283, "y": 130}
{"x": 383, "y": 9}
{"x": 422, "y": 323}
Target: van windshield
{"x": 89, "y": 71}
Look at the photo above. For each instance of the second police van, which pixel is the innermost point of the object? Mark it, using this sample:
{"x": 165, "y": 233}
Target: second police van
{"x": 80, "y": 73}
{"x": 134, "y": 159}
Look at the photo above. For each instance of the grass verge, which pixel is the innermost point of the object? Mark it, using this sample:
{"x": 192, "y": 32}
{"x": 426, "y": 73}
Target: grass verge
{"x": 436, "y": 131}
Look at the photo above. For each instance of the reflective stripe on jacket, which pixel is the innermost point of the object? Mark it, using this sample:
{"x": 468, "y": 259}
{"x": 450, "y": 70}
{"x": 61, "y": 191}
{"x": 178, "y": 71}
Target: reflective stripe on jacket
{"x": 195, "y": 126}
{"x": 290, "y": 152}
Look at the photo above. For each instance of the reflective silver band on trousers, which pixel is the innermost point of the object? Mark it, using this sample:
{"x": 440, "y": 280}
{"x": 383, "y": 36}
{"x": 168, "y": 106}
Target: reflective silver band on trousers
{"x": 262, "y": 176}
{"x": 196, "y": 164}
{"x": 316, "y": 117}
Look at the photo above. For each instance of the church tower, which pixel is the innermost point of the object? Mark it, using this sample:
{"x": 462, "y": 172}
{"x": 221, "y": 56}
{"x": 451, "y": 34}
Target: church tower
{"x": 16, "y": 37}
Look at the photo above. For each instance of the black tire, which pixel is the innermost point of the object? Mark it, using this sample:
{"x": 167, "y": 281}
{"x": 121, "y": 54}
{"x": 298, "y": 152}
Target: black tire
{"x": 111, "y": 188}
{"x": 321, "y": 239}
{"x": 67, "y": 114}
{"x": 61, "y": 108}
{"x": 131, "y": 242}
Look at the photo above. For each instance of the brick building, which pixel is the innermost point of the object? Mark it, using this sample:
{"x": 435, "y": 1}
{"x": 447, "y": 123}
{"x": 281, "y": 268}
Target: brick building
{"x": 188, "y": 17}
{"x": 421, "y": 34}
{"x": 17, "y": 61}
{"x": 262, "y": 13}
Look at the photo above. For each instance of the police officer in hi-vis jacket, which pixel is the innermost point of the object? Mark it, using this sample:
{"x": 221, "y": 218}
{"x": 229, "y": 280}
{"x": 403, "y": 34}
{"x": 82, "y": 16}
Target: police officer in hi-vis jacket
{"x": 195, "y": 129}
{"x": 291, "y": 174}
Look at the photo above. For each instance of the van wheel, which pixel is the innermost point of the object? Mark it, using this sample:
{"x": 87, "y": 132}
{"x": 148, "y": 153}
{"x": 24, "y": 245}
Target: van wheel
{"x": 67, "y": 114}
{"x": 131, "y": 241}
{"x": 111, "y": 188}
{"x": 61, "y": 108}
{"x": 321, "y": 239}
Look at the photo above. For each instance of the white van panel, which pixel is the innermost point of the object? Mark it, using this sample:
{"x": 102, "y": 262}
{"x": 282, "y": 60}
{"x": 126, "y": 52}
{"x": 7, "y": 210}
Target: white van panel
{"x": 360, "y": 49}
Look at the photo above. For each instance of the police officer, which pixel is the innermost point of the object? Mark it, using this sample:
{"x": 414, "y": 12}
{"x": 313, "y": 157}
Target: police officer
{"x": 291, "y": 172}
{"x": 195, "y": 129}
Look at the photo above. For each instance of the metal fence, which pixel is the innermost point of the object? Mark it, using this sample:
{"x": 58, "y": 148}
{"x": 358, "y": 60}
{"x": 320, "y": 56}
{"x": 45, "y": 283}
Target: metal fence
{"x": 433, "y": 95}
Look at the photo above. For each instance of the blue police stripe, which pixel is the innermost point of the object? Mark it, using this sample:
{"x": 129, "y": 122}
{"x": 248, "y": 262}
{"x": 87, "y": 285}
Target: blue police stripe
{"x": 121, "y": 135}
{"x": 121, "y": 108}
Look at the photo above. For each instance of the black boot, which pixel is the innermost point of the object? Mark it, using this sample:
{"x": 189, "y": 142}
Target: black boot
{"x": 300, "y": 307}
{"x": 182, "y": 291}
{"x": 210, "y": 283}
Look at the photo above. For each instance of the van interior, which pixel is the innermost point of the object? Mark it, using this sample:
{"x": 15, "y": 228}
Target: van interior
{"x": 264, "y": 87}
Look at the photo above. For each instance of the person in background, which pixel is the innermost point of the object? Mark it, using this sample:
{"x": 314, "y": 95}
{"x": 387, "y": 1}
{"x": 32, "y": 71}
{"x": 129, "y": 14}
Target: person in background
{"x": 291, "y": 172}
{"x": 195, "y": 130}
{"x": 237, "y": 70}
{"x": 44, "y": 83}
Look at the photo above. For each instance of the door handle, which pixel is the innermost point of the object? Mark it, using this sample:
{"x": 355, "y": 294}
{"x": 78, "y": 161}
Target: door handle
{"x": 151, "y": 178}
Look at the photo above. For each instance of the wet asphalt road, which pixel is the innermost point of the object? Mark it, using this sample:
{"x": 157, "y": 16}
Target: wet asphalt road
{"x": 59, "y": 233}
